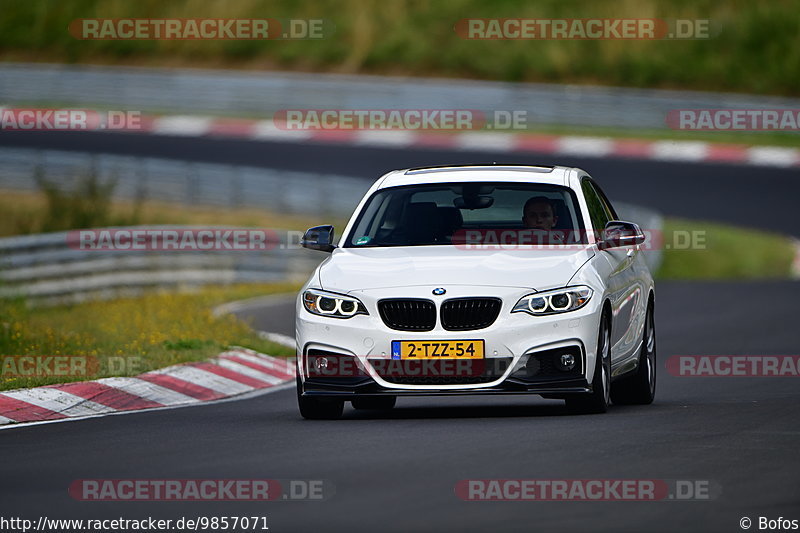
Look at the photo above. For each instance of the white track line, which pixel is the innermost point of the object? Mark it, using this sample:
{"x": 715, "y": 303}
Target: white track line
{"x": 587, "y": 146}
{"x": 258, "y": 301}
{"x": 205, "y": 379}
{"x": 148, "y": 391}
{"x": 397, "y": 138}
{"x": 248, "y": 371}
{"x": 266, "y": 363}
{"x": 773, "y": 156}
{"x": 500, "y": 142}
{"x": 184, "y": 125}
{"x": 278, "y": 338}
{"x": 680, "y": 150}
{"x": 267, "y": 130}
{"x": 666, "y": 150}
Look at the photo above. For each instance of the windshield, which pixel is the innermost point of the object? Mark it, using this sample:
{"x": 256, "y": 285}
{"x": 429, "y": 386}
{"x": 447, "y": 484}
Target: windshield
{"x": 447, "y": 213}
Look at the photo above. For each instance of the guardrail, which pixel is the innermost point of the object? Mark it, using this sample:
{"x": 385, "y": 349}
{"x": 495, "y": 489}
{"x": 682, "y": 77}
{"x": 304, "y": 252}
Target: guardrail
{"x": 228, "y": 92}
{"x": 45, "y": 269}
{"x": 186, "y": 182}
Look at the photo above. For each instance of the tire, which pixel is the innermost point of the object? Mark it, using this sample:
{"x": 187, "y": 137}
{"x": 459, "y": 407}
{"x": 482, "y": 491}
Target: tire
{"x": 640, "y": 388}
{"x": 318, "y": 408}
{"x": 597, "y": 401}
{"x": 374, "y": 402}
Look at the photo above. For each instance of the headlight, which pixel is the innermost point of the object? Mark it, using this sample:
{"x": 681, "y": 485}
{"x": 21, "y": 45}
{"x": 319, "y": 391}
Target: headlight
{"x": 331, "y": 304}
{"x": 555, "y": 301}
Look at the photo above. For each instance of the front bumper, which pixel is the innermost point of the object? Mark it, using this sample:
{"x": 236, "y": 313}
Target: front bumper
{"x": 514, "y": 338}
{"x": 509, "y": 386}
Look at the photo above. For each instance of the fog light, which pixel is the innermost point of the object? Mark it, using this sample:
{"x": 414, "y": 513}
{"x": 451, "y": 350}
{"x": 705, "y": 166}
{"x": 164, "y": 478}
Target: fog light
{"x": 566, "y": 362}
{"x": 320, "y": 363}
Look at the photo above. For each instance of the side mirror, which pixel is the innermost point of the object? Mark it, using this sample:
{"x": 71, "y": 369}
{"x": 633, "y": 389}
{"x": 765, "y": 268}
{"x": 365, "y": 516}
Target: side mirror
{"x": 618, "y": 233}
{"x": 319, "y": 238}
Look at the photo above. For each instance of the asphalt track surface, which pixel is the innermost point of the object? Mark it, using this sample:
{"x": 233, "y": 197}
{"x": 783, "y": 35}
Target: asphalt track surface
{"x": 397, "y": 471}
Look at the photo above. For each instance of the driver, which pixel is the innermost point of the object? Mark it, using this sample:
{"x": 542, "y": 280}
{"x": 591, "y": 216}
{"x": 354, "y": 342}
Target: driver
{"x": 539, "y": 213}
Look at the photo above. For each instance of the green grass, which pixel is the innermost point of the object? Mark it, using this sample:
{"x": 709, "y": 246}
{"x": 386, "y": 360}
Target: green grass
{"x": 719, "y": 251}
{"x": 754, "y": 48}
{"x": 128, "y": 336}
{"x": 28, "y": 212}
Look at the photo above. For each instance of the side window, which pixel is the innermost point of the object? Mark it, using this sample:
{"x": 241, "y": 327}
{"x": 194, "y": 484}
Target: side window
{"x": 612, "y": 213}
{"x": 597, "y": 210}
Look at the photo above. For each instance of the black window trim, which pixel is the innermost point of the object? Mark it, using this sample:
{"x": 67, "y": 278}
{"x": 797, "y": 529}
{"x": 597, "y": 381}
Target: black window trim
{"x": 609, "y": 211}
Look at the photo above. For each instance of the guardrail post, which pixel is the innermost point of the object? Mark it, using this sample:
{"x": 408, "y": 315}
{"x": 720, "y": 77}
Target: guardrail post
{"x": 191, "y": 185}
{"x": 237, "y": 196}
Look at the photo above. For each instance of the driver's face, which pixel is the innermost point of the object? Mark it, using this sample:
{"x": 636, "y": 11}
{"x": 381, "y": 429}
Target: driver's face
{"x": 539, "y": 216}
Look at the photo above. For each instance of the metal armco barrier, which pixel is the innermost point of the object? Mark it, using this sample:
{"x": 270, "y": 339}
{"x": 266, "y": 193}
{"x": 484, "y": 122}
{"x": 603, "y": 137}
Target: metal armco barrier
{"x": 254, "y": 94}
{"x": 45, "y": 269}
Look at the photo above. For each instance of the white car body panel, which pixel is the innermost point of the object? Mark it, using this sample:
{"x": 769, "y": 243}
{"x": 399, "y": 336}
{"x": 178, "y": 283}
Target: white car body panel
{"x": 618, "y": 276}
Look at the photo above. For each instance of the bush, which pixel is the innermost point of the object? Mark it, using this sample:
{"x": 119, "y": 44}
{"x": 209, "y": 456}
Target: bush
{"x": 87, "y": 206}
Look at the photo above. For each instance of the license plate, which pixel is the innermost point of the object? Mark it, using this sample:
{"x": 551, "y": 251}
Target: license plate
{"x": 472, "y": 349}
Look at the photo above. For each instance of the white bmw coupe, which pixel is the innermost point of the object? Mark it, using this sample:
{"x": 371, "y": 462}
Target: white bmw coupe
{"x": 478, "y": 280}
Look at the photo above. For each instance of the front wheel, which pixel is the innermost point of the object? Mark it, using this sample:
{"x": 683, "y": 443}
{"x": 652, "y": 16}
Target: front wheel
{"x": 640, "y": 388}
{"x": 318, "y": 408}
{"x": 597, "y": 401}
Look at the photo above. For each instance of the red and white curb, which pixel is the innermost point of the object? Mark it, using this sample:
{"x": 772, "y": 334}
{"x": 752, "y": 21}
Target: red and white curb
{"x": 661, "y": 150}
{"x": 235, "y": 372}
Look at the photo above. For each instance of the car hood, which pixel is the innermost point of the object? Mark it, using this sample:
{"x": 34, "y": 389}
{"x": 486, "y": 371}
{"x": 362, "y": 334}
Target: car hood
{"x": 350, "y": 269}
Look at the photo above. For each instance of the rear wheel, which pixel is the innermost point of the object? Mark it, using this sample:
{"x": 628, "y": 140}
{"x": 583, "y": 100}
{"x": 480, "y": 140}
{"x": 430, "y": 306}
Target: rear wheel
{"x": 318, "y": 408}
{"x": 374, "y": 402}
{"x": 640, "y": 388}
{"x": 597, "y": 401}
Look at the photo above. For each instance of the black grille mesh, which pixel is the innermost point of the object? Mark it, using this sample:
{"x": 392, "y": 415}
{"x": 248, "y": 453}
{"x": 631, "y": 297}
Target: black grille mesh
{"x": 462, "y": 314}
{"x": 408, "y": 314}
